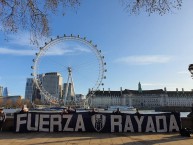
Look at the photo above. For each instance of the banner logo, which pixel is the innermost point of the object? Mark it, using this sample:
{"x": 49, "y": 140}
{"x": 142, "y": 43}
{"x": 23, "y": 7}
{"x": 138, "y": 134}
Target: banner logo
{"x": 98, "y": 121}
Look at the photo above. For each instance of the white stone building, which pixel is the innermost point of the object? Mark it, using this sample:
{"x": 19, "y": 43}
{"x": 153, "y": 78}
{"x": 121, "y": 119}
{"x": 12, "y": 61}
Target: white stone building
{"x": 148, "y": 99}
{"x": 179, "y": 98}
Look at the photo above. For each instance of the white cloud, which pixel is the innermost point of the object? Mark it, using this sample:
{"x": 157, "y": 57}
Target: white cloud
{"x": 16, "y": 51}
{"x": 58, "y": 51}
{"x": 144, "y": 59}
{"x": 50, "y": 51}
{"x": 65, "y": 49}
{"x": 82, "y": 49}
{"x": 29, "y": 52}
{"x": 23, "y": 39}
{"x": 184, "y": 72}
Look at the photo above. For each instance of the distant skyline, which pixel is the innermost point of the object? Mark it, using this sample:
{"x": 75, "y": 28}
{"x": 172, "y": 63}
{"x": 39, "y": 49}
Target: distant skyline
{"x": 154, "y": 50}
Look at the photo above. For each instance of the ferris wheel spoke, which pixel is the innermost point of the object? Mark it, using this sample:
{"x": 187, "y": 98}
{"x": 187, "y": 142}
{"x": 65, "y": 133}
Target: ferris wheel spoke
{"x": 89, "y": 65}
{"x": 55, "y": 62}
{"x": 79, "y": 63}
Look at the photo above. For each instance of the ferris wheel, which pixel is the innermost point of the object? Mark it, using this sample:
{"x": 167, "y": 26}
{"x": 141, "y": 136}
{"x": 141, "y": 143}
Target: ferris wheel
{"x": 67, "y": 55}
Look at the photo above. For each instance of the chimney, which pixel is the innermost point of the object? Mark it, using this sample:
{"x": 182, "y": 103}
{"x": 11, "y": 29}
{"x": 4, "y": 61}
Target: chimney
{"x": 103, "y": 90}
{"x": 121, "y": 90}
{"x": 165, "y": 89}
{"x": 177, "y": 90}
{"x": 109, "y": 90}
{"x": 92, "y": 89}
{"x": 182, "y": 90}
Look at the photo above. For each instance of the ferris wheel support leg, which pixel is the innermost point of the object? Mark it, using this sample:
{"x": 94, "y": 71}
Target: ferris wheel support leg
{"x": 73, "y": 88}
{"x": 66, "y": 92}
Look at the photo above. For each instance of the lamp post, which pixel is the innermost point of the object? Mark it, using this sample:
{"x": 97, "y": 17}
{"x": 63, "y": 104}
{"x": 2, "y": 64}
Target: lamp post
{"x": 190, "y": 68}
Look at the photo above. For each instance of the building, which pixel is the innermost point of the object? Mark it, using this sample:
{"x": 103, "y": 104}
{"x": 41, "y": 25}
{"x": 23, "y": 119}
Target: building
{"x": 179, "y": 98}
{"x": 103, "y": 99}
{"x": 13, "y": 99}
{"x": 31, "y": 92}
{"x": 5, "y": 92}
{"x": 1, "y": 91}
{"x": 80, "y": 97}
{"x": 29, "y": 89}
{"x": 52, "y": 83}
{"x": 147, "y": 99}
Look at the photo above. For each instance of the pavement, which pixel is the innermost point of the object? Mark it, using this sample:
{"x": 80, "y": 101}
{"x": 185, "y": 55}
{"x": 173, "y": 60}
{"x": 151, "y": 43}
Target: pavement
{"x": 74, "y": 138}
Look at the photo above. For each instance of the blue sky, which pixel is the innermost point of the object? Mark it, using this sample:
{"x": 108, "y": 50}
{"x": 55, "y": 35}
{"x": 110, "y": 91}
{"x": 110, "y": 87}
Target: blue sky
{"x": 155, "y": 50}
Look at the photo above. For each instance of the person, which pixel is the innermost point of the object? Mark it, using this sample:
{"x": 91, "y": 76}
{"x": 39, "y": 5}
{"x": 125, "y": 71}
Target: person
{"x": 117, "y": 111}
{"x": 137, "y": 112}
{"x": 92, "y": 111}
{"x": 24, "y": 109}
{"x": 64, "y": 111}
{"x": 2, "y": 118}
{"x": 70, "y": 110}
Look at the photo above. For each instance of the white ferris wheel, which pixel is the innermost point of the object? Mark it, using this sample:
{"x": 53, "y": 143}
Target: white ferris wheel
{"x": 69, "y": 55}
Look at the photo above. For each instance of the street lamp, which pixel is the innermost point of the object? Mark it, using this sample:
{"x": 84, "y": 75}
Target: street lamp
{"x": 190, "y": 68}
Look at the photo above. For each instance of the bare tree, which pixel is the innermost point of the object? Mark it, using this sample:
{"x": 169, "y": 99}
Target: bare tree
{"x": 19, "y": 102}
{"x": 31, "y": 15}
{"x": 151, "y": 6}
{"x": 9, "y": 103}
{"x": 34, "y": 15}
{"x": 28, "y": 103}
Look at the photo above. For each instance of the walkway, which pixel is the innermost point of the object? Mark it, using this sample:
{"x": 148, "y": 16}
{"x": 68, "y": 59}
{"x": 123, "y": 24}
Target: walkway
{"x": 8, "y": 138}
